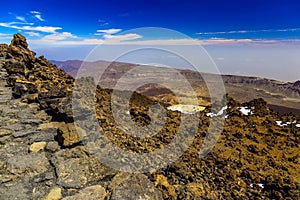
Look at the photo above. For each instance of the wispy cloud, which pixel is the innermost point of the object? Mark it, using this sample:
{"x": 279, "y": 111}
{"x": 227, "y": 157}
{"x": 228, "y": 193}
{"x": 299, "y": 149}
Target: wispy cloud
{"x": 30, "y": 27}
{"x": 20, "y": 18}
{"x": 37, "y": 15}
{"x": 59, "y": 36}
{"x": 247, "y": 31}
{"x": 5, "y": 35}
{"x": 67, "y": 42}
{"x": 103, "y": 22}
{"x": 33, "y": 34}
{"x": 108, "y": 35}
{"x": 109, "y": 31}
{"x": 130, "y": 39}
{"x": 125, "y": 37}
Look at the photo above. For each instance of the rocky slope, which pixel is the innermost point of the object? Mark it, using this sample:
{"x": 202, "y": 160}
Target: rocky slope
{"x": 44, "y": 157}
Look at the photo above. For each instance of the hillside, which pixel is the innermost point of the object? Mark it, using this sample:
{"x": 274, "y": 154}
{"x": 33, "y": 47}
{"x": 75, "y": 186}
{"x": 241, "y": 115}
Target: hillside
{"x": 44, "y": 155}
{"x": 282, "y": 97}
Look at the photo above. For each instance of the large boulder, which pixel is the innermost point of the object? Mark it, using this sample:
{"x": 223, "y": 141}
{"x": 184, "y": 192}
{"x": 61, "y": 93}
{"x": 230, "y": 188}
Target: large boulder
{"x": 19, "y": 40}
{"x": 22, "y": 88}
{"x": 3, "y": 50}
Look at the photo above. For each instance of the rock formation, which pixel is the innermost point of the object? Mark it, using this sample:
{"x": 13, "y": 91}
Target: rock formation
{"x": 43, "y": 155}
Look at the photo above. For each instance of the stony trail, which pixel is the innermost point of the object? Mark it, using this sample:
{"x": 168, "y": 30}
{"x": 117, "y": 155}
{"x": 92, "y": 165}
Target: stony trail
{"x": 43, "y": 157}
{"x": 25, "y": 167}
{"x": 34, "y": 164}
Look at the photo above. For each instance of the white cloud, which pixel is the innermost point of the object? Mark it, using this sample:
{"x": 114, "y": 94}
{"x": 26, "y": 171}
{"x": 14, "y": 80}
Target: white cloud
{"x": 5, "y": 38}
{"x": 128, "y": 39}
{"x": 187, "y": 41}
{"x": 108, "y": 35}
{"x": 37, "y": 15}
{"x": 5, "y": 35}
{"x": 45, "y": 29}
{"x": 33, "y": 34}
{"x": 247, "y": 31}
{"x": 20, "y": 18}
{"x": 15, "y": 23}
{"x": 59, "y": 36}
{"x": 125, "y": 37}
{"x": 67, "y": 42}
{"x": 109, "y": 31}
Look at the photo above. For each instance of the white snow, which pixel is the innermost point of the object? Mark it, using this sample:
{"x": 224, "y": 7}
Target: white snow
{"x": 186, "y": 109}
{"x": 246, "y": 111}
{"x": 218, "y": 114}
{"x": 281, "y": 124}
{"x": 259, "y": 184}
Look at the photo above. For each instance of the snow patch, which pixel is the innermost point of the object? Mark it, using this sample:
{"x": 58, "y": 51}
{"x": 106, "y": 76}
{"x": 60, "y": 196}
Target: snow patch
{"x": 281, "y": 124}
{"x": 259, "y": 184}
{"x": 186, "y": 109}
{"x": 246, "y": 111}
{"x": 218, "y": 114}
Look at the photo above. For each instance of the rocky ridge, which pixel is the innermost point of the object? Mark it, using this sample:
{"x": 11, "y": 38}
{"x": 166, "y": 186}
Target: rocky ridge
{"x": 43, "y": 156}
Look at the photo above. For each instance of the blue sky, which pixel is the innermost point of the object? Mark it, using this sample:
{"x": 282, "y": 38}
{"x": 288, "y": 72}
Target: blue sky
{"x": 264, "y": 34}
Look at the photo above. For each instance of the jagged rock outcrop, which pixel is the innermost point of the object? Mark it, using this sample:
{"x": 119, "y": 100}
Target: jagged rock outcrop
{"x": 42, "y": 155}
{"x": 36, "y": 79}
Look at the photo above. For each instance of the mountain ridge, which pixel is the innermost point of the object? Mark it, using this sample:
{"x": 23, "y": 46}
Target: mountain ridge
{"x": 44, "y": 156}
{"x": 283, "y": 97}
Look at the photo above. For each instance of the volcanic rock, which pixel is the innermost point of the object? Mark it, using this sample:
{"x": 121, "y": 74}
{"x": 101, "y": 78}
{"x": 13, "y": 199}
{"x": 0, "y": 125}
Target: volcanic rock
{"x": 42, "y": 153}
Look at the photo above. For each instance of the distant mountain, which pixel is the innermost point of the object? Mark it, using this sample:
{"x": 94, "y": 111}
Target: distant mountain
{"x": 58, "y": 143}
{"x": 283, "y": 97}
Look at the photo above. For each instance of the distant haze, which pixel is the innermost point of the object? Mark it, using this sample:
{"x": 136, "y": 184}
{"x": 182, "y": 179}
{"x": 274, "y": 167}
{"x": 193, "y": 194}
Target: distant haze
{"x": 274, "y": 62}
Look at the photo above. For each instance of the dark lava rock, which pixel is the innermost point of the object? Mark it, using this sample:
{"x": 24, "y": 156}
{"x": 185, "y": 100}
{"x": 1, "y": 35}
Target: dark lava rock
{"x": 253, "y": 158}
{"x": 75, "y": 169}
{"x": 136, "y": 187}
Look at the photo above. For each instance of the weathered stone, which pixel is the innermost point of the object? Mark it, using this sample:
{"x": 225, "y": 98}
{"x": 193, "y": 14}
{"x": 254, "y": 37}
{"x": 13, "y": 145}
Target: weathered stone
{"x": 11, "y": 121}
{"x": 44, "y": 176}
{"x": 136, "y": 187}
{"x": 16, "y": 68}
{"x": 67, "y": 135}
{"x": 32, "y": 98}
{"x": 52, "y": 146}
{"x": 118, "y": 179}
{"x": 19, "y": 40}
{"x": 10, "y": 112}
{"x": 50, "y": 125}
{"x": 46, "y": 135}
{"x": 95, "y": 192}
{"x": 22, "y": 88}
{"x": 32, "y": 121}
{"x": 18, "y": 189}
{"x": 16, "y": 127}
{"x": 11, "y": 148}
{"x": 247, "y": 146}
{"x": 162, "y": 182}
{"x": 23, "y": 133}
{"x": 4, "y": 139}
{"x": 54, "y": 194}
{"x": 3, "y": 50}
{"x": 30, "y": 163}
{"x": 4, "y": 132}
{"x": 75, "y": 168}
{"x": 38, "y": 146}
